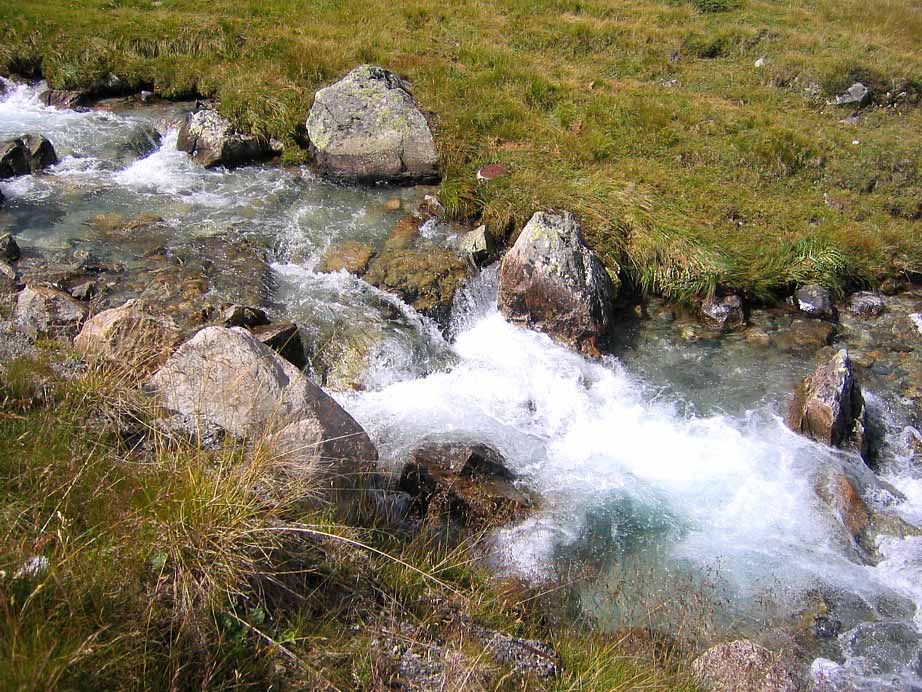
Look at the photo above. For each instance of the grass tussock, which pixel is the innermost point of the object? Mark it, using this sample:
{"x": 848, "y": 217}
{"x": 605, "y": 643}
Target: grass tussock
{"x": 133, "y": 558}
{"x": 738, "y": 163}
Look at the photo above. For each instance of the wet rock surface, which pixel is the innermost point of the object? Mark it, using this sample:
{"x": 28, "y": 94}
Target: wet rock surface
{"x": 368, "y": 127}
{"x": 550, "y": 281}
{"x": 724, "y": 313}
{"x": 828, "y": 406}
{"x": 25, "y": 155}
{"x": 462, "y": 487}
{"x": 211, "y": 140}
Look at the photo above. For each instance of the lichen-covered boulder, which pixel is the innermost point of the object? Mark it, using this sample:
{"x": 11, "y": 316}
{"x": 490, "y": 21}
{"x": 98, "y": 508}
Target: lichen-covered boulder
{"x": 828, "y": 406}
{"x": 212, "y": 141}
{"x": 866, "y": 304}
{"x": 552, "y": 282}
{"x": 367, "y": 127}
{"x": 46, "y": 311}
{"x": 744, "y": 666}
{"x": 815, "y": 301}
{"x": 128, "y": 334}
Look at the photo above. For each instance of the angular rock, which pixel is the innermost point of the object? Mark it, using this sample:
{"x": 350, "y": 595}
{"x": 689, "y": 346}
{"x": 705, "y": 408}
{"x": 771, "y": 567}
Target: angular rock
{"x": 828, "y": 406}
{"x": 744, "y": 666}
{"x": 9, "y": 250}
{"x": 724, "y": 313}
{"x": 367, "y": 127}
{"x": 212, "y": 141}
{"x": 285, "y": 339}
{"x": 226, "y": 377}
{"x": 478, "y": 245}
{"x": 24, "y": 155}
{"x": 856, "y": 95}
{"x": 550, "y": 281}
{"x": 242, "y": 316}
{"x": 351, "y": 256}
{"x": 815, "y": 301}
{"x": 129, "y": 334}
{"x": 41, "y": 152}
{"x": 44, "y": 311}
{"x": 61, "y": 98}
{"x": 404, "y": 234}
{"x": 466, "y": 484}
{"x": 866, "y": 304}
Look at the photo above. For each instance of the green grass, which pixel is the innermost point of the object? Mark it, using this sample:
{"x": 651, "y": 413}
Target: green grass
{"x": 720, "y": 178}
{"x": 169, "y": 566}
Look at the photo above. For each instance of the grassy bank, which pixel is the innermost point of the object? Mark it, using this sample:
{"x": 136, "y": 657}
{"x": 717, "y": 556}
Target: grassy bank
{"x": 690, "y": 167}
{"x": 135, "y": 560}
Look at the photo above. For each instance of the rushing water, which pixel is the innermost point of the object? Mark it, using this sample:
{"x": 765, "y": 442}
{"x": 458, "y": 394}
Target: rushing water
{"x": 668, "y": 481}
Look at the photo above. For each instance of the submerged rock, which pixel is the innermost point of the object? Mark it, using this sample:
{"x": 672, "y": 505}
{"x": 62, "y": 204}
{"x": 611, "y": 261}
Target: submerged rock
{"x": 367, "y": 127}
{"x": 129, "y": 334}
{"x": 744, "y": 666}
{"x": 227, "y": 377}
{"x": 45, "y": 311}
{"x": 724, "y": 313}
{"x": 552, "y": 282}
{"x": 828, "y": 406}
{"x": 351, "y": 256}
{"x": 426, "y": 278}
{"x": 815, "y": 301}
{"x": 212, "y": 141}
{"x": 26, "y": 154}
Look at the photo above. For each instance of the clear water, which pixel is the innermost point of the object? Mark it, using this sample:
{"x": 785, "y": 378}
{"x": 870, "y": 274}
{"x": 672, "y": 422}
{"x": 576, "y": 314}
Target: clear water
{"x": 669, "y": 485}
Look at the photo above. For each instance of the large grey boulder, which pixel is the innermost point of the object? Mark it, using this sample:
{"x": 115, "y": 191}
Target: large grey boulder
{"x": 45, "y": 311}
{"x": 828, "y": 406}
{"x": 212, "y": 141}
{"x": 552, "y": 282}
{"x": 129, "y": 334}
{"x": 744, "y": 666}
{"x": 228, "y": 378}
{"x": 24, "y": 155}
{"x": 367, "y": 127}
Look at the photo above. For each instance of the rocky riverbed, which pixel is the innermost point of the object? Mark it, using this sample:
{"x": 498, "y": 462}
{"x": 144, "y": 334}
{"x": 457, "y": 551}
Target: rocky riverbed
{"x": 656, "y": 463}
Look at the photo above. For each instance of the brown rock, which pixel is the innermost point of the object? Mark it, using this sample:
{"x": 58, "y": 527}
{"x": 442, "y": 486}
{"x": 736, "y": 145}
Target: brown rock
{"x": 828, "y": 406}
{"x": 550, "y": 281}
{"x": 351, "y": 256}
{"x": 492, "y": 171}
{"x": 404, "y": 234}
{"x": 45, "y": 311}
{"x": 129, "y": 334}
{"x": 285, "y": 339}
{"x": 468, "y": 484}
{"x": 426, "y": 278}
{"x": 393, "y": 204}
